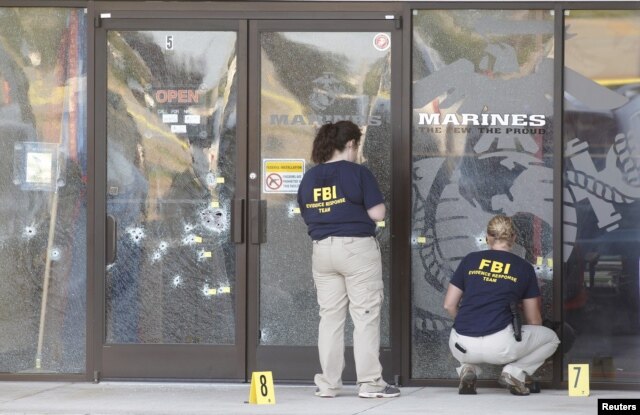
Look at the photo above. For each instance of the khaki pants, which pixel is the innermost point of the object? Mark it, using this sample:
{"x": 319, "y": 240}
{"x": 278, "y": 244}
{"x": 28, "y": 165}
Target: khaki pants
{"x": 347, "y": 272}
{"x": 501, "y": 348}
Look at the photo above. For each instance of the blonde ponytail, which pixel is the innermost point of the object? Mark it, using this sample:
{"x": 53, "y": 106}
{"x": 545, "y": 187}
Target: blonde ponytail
{"x": 501, "y": 228}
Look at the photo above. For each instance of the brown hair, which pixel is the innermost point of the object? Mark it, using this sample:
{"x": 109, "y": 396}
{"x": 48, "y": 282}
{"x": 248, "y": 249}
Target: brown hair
{"x": 500, "y": 227}
{"x": 332, "y": 137}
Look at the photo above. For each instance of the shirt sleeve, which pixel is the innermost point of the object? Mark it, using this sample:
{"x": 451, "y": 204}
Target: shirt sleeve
{"x": 371, "y": 191}
{"x": 532, "y": 290}
{"x": 457, "y": 278}
{"x": 302, "y": 196}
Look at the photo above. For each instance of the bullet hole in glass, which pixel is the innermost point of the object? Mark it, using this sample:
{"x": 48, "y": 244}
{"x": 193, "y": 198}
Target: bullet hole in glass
{"x": 29, "y": 231}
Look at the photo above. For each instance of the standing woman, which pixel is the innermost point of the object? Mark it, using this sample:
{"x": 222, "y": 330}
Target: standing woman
{"x": 491, "y": 285}
{"x": 339, "y": 201}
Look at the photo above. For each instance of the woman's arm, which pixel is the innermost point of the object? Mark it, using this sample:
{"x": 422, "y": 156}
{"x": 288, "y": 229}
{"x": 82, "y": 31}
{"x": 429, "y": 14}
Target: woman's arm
{"x": 377, "y": 212}
{"x": 531, "y": 308}
{"x": 452, "y": 299}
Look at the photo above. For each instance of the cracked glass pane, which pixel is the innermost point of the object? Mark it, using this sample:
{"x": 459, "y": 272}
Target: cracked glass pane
{"x": 482, "y": 134}
{"x": 309, "y": 78}
{"x": 601, "y": 203}
{"x": 43, "y": 204}
{"x": 171, "y": 120}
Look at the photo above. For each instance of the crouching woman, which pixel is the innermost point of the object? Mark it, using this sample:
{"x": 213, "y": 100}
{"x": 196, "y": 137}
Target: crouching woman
{"x": 481, "y": 297}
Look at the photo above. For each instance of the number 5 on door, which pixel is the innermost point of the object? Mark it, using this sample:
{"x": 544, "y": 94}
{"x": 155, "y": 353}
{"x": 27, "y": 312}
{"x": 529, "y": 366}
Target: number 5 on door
{"x": 262, "y": 391}
{"x": 579, "y": 380}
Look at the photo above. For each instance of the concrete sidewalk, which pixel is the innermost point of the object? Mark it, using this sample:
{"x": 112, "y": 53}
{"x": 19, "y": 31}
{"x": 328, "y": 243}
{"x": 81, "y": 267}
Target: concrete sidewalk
{"x": 222, "y": 398}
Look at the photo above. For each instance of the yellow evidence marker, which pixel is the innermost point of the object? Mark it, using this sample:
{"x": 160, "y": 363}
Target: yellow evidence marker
{"x": 262, "y": 392}
{"x": 579, "y": 380}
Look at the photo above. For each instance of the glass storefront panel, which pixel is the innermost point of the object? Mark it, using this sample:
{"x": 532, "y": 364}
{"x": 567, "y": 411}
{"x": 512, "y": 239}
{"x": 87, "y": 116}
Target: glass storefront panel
{"x": 171, "y": 140}
{"x": 482, "y": 144}
{"x": 43, "y": 203}
{"x": 307, "y": 79}
{"x": 601, "y": 203}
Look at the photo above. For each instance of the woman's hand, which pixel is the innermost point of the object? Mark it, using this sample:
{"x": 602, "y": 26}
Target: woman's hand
{"x": 452, "y": 299}
{"x": 531, "y": 308}
{"x": 377, "y": 212}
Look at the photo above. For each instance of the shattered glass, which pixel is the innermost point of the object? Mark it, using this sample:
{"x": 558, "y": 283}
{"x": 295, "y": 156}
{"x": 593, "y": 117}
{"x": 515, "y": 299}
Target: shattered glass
{"x": 43, "y": 203}
{"x": 309, "y": 78}
{"x": 171, "y": 120}
{"x": 482, "y": 144}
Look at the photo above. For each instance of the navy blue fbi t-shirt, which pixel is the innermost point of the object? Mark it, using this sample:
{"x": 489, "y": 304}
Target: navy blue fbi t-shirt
{"x": 334, "y": 199}
{"x": 491, "y": 280}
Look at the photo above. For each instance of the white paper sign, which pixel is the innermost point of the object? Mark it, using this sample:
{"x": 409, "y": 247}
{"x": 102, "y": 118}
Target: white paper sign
{"x": 169, "y": 118}
{"x": 178, "y": 128}
{"x": 38, "y": 169}
{"x": 282, "y": 175}
{"x": 191, "y": 119}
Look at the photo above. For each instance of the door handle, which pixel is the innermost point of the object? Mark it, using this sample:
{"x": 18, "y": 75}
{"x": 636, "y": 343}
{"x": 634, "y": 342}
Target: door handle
{"x": 237, "y": 220}
{"x": 112, "y": 239}
{"x": 257, "y": 212}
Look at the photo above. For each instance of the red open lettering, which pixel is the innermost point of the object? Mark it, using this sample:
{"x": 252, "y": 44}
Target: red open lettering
{"x": 180, "y": 96}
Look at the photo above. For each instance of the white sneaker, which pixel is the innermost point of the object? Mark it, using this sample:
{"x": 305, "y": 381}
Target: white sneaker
{"x": 388, "y": 392}
{"x": 324, "y": 394}
{"x": 515, "y": 386}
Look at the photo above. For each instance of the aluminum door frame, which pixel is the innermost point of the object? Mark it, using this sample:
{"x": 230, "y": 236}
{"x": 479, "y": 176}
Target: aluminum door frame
{"x": 165, "y": 361}
{"x": 299, "y": 363}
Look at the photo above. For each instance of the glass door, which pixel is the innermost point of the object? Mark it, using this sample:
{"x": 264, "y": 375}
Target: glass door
{"x": 309, "y": 73}
{"x": 173, "y": 283}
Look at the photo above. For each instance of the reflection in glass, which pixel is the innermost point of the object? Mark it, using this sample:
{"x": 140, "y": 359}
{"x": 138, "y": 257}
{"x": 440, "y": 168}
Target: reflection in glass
{"x": 481, "y": 145}
{"x": 307, "y": 79}
{"x": 43, "y": 172}
{"x": 601, "y": 208}
{"x": 171, "y": 119}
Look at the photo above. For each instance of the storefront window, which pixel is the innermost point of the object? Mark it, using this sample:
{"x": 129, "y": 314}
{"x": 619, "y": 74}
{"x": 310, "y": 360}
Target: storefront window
{"x": 482, "y": 135}
{"x": 43, "y": 171}
{"x": 601, "y": 204}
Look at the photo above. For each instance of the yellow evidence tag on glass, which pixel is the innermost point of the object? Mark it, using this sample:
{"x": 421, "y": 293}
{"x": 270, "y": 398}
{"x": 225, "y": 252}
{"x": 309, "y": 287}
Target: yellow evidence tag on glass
{"x": 421, "y": 240}
{"x": 215, "y": 204}
{"x": 197, "y": 239}
{"x": 380, "y": 224}
{"x": 219, "y": 179}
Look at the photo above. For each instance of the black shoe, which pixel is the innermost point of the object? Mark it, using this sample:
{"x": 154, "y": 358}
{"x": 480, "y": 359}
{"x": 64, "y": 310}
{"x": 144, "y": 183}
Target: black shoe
{"x": 532, "y": 385}
{"x": 468, "y": 380}
{"x": 515, "y": 386}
